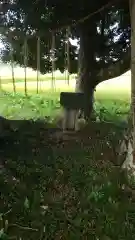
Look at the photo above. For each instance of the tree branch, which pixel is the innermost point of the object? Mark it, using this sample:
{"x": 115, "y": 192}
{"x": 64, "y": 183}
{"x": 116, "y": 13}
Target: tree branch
{"x": 116, "y": 69}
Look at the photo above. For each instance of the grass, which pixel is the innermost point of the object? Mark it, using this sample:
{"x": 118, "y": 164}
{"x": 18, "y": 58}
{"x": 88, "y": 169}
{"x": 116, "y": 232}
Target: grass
{"x": 46, "y": 104}
{"x": 19, "y": 106}
{"x": 32, "y": 86}
{"x": 64, "y": 189}
{"x": 122, "y": 83}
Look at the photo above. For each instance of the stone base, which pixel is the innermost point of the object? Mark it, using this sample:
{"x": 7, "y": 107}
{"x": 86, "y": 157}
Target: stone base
{"x": 69, "y": 120}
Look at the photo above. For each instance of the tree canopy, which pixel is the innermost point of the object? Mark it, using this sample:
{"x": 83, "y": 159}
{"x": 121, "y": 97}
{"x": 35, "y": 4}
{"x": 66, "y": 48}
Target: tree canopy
{"x": 106, "y": 24}
{"x": 52, "y": 14}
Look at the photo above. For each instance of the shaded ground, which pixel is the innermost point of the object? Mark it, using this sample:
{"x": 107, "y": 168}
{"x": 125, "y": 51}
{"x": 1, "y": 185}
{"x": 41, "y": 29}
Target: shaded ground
{"x": 53, "y": 188}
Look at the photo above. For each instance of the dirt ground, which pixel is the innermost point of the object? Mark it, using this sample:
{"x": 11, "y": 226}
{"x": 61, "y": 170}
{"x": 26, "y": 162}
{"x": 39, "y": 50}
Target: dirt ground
{"x": 42, "y": 168}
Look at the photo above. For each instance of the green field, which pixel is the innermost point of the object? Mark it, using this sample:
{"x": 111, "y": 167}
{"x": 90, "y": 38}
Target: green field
{"x": 46, "y": 104}
{"x": 67, "y": 189}
{"x": 117, "y": 85}
{"x": 46, "y": 77}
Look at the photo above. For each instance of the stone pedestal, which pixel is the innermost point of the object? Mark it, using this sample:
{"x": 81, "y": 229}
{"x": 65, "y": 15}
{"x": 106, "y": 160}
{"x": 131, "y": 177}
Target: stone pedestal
{"x": 69, "y": 120}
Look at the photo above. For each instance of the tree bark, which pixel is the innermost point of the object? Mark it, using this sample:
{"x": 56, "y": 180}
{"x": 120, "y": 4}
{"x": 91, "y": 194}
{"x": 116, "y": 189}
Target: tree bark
{"x": 128, "y": 144}
{"x": 86, "y": 78}
{"x": 132, "y": 13}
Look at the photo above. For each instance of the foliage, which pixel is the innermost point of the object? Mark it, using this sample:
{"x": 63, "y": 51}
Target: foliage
{"x": 31, "y": 107}
{"x": 63, "y": 189}
{"x": 47, "y": 106}
{"x": 32, "y": 18}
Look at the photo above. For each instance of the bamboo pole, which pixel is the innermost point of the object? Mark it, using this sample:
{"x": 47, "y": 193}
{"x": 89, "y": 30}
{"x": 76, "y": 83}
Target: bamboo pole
{"x": 38, "y": 63}
{"x": 25, "y": 65}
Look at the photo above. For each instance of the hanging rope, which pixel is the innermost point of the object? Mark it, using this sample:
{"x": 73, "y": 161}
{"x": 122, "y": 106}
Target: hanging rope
{"x": 12, "y": 70}
{"x": 25, "y": 65}
{"x": 53, "y": 60}
{"x": 38, "y": 63}
{"x": 67, "y": 56}
{"x": 12, "y": 64}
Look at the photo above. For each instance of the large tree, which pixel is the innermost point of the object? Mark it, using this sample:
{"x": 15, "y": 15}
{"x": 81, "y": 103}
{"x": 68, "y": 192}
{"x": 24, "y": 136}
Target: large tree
{"x": 102, "y": 29}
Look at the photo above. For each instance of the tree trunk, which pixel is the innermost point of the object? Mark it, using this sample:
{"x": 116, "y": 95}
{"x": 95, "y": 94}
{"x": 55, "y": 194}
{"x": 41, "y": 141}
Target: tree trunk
{"x": 86, "y": 80}
{"x": 89, "y": 98}
{"x": 128, "y": 144}
{"x": 132, "y": 13}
